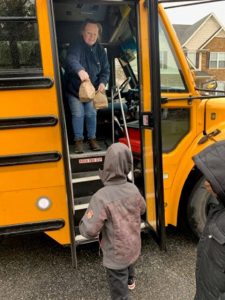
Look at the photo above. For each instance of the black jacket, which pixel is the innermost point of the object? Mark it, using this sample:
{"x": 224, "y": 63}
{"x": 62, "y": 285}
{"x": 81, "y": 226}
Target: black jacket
{"x": 92, "y": 59}
{"x": 210, "y": 265}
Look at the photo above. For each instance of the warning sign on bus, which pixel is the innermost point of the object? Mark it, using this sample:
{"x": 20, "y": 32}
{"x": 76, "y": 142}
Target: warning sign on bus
{"x": 90, "y": 160}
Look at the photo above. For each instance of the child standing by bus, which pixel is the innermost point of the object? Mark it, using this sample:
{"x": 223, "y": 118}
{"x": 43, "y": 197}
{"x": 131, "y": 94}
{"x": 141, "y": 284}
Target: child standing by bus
{"x": 210, "y": 266}
{"x": 115, "y": 212}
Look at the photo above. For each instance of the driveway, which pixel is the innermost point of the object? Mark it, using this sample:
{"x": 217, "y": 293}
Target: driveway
{"x": 35, "y": 267}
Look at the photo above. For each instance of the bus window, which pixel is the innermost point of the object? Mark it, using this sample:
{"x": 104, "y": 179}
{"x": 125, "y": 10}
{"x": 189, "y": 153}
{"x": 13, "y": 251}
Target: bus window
{"x": 175, "y": 121}
{"x": 175, "y": 125}
{"x": 19, "y": 43}
{"x": 170, "y": 70}
{"x": 129, "y": 60}
{"x": 119, "y": 73}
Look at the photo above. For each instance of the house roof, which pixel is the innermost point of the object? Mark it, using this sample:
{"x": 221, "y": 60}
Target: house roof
{"x": 184, "y": 32}
{"x": 210, "y": 38}
{"x": 181, "y": 31}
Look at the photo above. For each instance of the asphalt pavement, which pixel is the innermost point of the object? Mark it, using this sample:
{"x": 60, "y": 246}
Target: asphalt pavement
{"x": 36, "y": 267}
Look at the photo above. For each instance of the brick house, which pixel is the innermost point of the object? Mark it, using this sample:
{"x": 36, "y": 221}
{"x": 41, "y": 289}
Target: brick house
{"x": 204, "y": 46}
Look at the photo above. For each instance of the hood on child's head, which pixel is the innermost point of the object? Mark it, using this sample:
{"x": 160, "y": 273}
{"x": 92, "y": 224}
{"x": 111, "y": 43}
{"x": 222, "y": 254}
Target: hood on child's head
{"x": 211, "y": 162}
{"x": 117, "y": 164}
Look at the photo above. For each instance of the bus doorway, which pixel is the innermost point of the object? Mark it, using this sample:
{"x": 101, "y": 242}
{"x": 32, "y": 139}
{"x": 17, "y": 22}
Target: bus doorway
{"x": 123, "y": 40}
{"x": 120, "y": 43}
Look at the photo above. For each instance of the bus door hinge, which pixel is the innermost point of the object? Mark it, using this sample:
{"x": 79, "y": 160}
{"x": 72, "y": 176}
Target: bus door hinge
{"x": 147, "y": 120}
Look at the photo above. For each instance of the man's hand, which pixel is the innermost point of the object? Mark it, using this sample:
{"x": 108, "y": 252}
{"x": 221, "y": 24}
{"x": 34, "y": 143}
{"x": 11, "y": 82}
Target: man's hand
{"x": 83, "y": 75}
{"x": 101, "y": 88}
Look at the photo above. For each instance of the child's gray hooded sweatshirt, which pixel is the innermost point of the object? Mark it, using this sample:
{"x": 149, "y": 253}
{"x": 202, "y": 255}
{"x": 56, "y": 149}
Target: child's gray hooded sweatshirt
{"x": 115, "y": 211}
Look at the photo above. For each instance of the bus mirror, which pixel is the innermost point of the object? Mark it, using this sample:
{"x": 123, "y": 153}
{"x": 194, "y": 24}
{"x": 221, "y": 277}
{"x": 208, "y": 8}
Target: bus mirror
{"x": 210, "y": 85}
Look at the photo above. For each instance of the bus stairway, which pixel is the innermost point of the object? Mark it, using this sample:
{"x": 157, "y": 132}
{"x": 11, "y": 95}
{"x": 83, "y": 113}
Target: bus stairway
{"x": 86, "y": 181}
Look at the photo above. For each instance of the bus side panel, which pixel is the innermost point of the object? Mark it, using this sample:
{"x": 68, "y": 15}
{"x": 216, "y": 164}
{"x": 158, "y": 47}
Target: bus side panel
{"x": 20, "y": 208}
{"x": 23, "y": 183}
{"x": 173, "y": 193}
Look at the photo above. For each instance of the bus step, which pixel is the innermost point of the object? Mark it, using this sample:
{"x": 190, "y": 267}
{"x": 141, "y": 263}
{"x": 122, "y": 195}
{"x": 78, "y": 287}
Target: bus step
{"x": 81, "y": 207}
{"x": 82, "y": 200}
{"x": 86, "y": 183}
{"x": 143, "y": 225}
{"x": 86, "y": 162}
{"x": 80, "y": 240}
{"x": 85, "y": 176}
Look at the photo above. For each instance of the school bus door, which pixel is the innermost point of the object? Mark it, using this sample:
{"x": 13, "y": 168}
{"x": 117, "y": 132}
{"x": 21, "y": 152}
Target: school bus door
{"x": 151, "y": 118}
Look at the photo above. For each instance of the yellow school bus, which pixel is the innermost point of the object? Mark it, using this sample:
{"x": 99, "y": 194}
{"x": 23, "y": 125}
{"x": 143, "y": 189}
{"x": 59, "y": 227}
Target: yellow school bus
{"x": 154, "y": 107}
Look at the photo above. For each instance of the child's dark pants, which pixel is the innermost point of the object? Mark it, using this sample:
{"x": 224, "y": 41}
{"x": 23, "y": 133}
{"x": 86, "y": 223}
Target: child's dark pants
{"x": 118, "y": 282}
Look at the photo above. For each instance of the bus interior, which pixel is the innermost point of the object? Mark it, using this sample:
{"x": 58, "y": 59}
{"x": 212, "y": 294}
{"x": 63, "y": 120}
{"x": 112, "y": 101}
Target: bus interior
{"x": 120, "y": 42}
{"x": 120, "y": 39}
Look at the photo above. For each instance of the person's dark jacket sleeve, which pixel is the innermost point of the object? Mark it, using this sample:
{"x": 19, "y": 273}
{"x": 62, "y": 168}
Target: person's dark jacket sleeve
{"x": 73, "y": 65}
{"x": 93, "y": 220}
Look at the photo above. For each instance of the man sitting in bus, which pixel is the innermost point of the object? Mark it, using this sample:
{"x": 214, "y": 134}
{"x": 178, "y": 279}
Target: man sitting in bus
{"x": 86, "y": 60}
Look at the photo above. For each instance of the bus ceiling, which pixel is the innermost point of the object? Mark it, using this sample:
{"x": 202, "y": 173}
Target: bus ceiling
{"x": 117, "y": 20}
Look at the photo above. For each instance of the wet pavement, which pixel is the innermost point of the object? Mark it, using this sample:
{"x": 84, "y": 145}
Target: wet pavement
{"x": 35, "y": 267}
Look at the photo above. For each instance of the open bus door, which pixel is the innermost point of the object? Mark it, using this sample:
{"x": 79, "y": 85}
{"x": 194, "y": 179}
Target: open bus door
{"x": 151, "y": 121}
{"x": 133, "y": 22}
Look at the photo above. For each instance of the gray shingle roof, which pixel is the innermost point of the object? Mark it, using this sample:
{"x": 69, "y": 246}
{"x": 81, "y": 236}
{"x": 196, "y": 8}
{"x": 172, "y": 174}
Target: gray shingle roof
{"x": 184, "y": 32}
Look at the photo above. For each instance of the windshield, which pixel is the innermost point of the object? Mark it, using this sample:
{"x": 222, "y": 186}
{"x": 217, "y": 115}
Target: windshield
{"x": 170, "y": 70}
{"x": 129, "y": 60}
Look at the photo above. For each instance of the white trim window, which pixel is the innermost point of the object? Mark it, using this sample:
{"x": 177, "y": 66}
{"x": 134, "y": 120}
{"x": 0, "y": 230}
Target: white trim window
{"x": 163, "y": 56}
{"x": 217, "y": 60}
{"x": 191, "y": 55}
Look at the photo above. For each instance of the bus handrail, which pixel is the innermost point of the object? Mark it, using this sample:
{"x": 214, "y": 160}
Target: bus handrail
{"x": 118, "y": 93}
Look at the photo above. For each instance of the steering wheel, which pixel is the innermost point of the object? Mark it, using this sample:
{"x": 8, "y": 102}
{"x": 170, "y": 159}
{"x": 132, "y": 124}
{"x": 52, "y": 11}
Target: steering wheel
{"x": 122, "y": 87}
{"x": 124, "y": 84}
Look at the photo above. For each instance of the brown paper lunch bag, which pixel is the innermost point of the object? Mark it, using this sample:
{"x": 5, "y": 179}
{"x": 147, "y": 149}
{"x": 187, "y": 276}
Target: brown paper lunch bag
{"x": 86, "y": 91}
{"x": 100, "y": 100}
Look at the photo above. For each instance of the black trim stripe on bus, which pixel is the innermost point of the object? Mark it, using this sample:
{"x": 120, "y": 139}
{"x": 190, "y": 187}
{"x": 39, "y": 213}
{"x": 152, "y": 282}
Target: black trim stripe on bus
{"x": 19, "y": 83}
{"x": 32, "y": 227}
{"x": 33, "y": 158}
{"x": 18, "y": 19}
{"x": 156, "y": 111}
{"x": 27, "y": 122}
{"x": 64, "y": 138}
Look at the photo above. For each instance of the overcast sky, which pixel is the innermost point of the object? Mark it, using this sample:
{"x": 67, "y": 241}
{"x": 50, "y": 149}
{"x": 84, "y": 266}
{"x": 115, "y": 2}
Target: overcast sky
{"x": 191, "y": 14}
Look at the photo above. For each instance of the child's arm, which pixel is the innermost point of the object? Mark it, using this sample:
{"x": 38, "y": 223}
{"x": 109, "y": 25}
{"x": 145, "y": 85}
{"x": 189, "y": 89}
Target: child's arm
{"x": 92, "y": 222}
